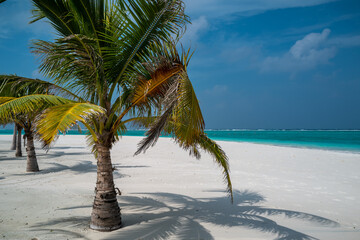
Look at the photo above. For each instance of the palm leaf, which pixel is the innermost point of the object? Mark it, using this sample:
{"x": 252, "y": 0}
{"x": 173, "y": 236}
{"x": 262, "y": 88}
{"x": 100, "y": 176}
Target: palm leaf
{"x": 178, "y": 100}
{"x": 59, "y": 119}
{"x": 146, "y": 22}
{"x": 6, "y": 99}
{"x": 16, "y": 85}
{"x": 29, "y": 104}
{"x": 220, "y": 158}
{"x": 72, "y": 27}
{"x": 155, "y": 75}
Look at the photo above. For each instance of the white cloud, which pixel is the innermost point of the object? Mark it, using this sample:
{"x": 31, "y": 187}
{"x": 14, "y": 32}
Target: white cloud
{"x": 195, "y": 29}
{"x": 217, "y": 8}
{"x": 307, "y": 53}
{"x": 305, "y": 47}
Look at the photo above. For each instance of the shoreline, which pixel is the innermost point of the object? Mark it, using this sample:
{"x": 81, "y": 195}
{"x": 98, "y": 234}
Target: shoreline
{"x": 288, "y": 145}
{"x": 279, "y": 191}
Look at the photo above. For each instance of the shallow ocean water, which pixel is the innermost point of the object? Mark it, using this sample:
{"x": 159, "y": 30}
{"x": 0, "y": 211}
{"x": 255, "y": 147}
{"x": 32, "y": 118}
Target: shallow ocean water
{"x": 343, "y": 140}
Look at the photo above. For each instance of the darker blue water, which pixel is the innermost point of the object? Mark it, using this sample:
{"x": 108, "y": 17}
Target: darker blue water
{"x": 332, "y": 140}
{"x": 335, "y": 140}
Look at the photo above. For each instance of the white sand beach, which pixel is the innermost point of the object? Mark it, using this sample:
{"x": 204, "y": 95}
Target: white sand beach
{"x": 279, "y": 193}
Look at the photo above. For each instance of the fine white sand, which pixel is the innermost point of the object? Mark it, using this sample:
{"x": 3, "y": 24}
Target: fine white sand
{"x": 280, "y": 193}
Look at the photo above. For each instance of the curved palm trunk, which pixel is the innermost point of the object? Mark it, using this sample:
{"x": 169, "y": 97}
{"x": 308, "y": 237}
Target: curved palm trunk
{"x": 105, "y": 215}
{"x": 13, "y": 145}
{"x": 18, "y": 152}
{"x": 32, "y": 165}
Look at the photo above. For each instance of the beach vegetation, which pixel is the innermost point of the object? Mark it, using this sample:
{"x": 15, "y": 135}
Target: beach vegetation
{"x": 22, "y": 101}
{"x": 122, "y": 65}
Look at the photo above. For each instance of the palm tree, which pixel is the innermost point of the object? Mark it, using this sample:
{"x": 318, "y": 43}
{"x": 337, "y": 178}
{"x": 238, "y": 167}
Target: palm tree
{"x": 13, "y": 143}
{"x": 16, "y": 140}
{"x": 19, "y": 128}
{"x": 7, "y": 91}
{"x": 120, "y": 56}
{"x": 18, "y": 105}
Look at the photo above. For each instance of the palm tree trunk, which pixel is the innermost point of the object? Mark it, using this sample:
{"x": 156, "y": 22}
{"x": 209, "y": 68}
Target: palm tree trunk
{"x": 105, "y": 215}
{"x": 18, "y": 152}
{"x": 32, "y": 165}
{"x": 13, "y": 145}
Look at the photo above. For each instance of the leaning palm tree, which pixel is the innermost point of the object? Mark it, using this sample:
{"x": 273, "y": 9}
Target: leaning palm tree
{"x": 120, "y": 56}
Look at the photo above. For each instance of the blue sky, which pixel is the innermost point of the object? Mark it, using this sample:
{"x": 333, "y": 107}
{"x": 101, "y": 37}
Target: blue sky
{"x": 279, "y": 64}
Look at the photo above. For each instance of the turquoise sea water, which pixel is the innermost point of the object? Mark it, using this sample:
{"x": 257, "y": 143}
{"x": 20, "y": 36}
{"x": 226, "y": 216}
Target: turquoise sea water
{"x": 330, "y": 139}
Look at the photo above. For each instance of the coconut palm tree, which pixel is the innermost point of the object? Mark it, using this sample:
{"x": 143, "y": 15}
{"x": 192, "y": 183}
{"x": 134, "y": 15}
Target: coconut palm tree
{"x": 21, "y": 121}
{"x": 21, "y": 102}
{"x": 7, "y": 91}
{"x": 121, "y": 57}
{"x": 13, "y": 143}
{"x": 18, "y": 128}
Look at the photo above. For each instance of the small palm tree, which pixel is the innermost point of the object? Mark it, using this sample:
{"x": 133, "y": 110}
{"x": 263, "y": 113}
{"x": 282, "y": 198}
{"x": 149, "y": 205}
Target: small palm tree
{"x": 13, "y": 143}
{"x": 7, "y": 91}
{"x": 22, "y": 104}
{"x": 119, "y": 58}
{"x": 18, "y": 128}
{"x": 21, "y": 121}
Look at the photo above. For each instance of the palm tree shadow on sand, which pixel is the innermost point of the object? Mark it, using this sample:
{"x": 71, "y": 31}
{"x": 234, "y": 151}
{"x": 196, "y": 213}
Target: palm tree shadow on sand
{"x": 165, "y": 215}
{"x": 180, "y": 216}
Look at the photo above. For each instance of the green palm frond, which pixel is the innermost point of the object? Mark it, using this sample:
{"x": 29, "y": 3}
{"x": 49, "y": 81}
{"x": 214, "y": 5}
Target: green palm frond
{"x": 182, "y": 119}
{"x": 146, "y": 22}
{"x": 73, "y": 65}
{"x": 153, "y": 77}
{"x": 74, "y": 57}
{"x": 220, "y": 158}
{"x": 57, "y": 12}
{"x": 179, "y": 103}
{"x": 6, "y": 99}
{"x": 59, "y": 119}
{"x": 20, "y": 86}
{"x": 187, "y": 116}
{"x": 29, "y": 104}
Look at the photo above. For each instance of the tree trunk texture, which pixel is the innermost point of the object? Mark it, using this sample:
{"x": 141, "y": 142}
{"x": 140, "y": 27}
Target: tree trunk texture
{"x": 106, "y": 214}
{"x": 32, "y": 165}
{"x": 13, "y": 145}
{"x": 18, "y": 152}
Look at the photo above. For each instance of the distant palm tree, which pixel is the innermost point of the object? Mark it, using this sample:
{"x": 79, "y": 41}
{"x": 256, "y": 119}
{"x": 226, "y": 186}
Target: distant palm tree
{"x": 7, "y": 91}
{"x": 18, "y": 128}
{"x": 13, "y": 144}
{"x": 120, "y": 57}
{"x": 18, "y": 105}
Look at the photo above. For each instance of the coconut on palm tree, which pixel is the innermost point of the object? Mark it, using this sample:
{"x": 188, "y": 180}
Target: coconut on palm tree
{"x": 119, "y": 58}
